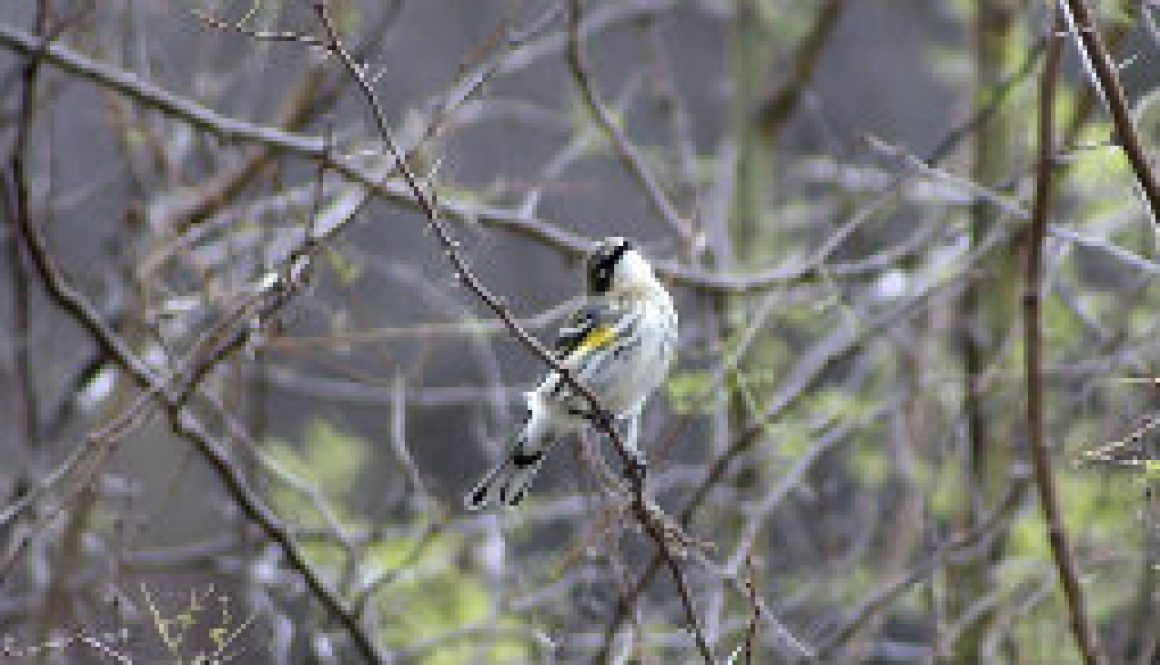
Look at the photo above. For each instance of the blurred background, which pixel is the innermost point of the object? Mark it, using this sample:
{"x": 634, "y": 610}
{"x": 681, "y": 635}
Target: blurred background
{"x": 243, "y": 392}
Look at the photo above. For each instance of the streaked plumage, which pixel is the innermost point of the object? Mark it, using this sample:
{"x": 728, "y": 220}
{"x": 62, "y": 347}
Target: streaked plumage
{"x": 619, "y": 344}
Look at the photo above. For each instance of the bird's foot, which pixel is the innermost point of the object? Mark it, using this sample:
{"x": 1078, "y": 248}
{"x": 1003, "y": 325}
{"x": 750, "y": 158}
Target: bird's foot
{"x": 636, "y": 470}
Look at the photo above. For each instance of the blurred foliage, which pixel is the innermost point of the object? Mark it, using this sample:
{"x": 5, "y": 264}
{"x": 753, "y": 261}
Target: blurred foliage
{"x": 428, "y": 594}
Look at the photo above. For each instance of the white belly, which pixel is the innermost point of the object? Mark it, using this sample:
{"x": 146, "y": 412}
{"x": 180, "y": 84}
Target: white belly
{"x": 627, "y": 381}
{"x": 623, "y": 382}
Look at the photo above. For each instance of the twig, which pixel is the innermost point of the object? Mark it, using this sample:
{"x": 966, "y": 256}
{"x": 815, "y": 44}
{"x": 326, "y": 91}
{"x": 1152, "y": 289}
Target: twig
{"x": 257, "y": 35}
{"x": 186, "y": 424}
{"x": 1033, "y": 345}
{"x": 779, "y": 107}
{"x": 1011, "y": 206}
{"x": 315, "y": 148}
{"x": 578, "y": 144}
{"x": 759, "y": 515}
{"x": 1092, "y": 50}
{"x": 421, "y": 496}
{"x": 629, "y": 154}
{"x": 77, "y": 305}
{"x": 680, "y": 131}
{"x": 751, "y": 632}
{"x": 880, "y": 599}
{"x": 16, "y": 194}
{"x": 434, "y": 330}
{"x": 604, "y": 16}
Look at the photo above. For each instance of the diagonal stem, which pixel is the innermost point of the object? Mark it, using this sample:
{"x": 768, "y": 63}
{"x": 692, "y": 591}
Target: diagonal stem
{"x": 1093, "y": 51}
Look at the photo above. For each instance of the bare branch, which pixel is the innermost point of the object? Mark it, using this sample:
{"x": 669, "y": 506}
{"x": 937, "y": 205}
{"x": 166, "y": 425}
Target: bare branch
{"x": 629, "y": 154}
{"x": 1033, "y": 344}
{"x": 1078, "y": 16}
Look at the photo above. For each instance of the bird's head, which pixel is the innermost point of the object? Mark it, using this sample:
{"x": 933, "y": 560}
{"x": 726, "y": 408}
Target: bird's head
{"x": 616, "y": 266}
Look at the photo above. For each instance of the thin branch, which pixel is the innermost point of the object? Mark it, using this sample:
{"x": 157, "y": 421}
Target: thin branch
{"x": 150, "y": 95}
{"x": 751, "y": 631}
{"x": 257, "y": 35}
{"x": 186, "y": 424}
{"x": 16, "y": 192}
{"x": 1092, "y": 50}
{"x": 604, "y": 16}
{"x": 78, "y": 306}
{"x": 779, "y": 107}
{"x": 513, "y": 220}
{"x": 629, "y": 154}
{"x": 1010, "y": 206}
{"x": 1033, "y": 344}
{"x": 879, "y": 600}
{"x": 422, "y": 496}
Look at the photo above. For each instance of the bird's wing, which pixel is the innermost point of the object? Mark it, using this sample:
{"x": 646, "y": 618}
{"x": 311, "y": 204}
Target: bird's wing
{"x": 592, "y": 327}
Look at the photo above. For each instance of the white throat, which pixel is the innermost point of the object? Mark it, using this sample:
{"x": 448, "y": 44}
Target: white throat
{"x": 634, "y": 274}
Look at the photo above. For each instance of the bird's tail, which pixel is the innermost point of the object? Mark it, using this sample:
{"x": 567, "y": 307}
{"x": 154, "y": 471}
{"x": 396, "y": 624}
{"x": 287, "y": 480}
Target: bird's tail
{"x": 507, "y": 483}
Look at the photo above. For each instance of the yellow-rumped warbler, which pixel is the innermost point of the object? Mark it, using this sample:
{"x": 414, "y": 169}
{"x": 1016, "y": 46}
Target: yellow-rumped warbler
{"x": 619, "y": 345}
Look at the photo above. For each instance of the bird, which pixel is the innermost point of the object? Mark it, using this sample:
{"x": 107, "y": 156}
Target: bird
{"x": 619, "y": 343}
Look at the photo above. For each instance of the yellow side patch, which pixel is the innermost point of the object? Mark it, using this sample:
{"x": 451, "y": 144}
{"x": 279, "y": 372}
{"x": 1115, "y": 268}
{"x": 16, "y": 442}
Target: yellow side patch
{"x": 597, "y": 339}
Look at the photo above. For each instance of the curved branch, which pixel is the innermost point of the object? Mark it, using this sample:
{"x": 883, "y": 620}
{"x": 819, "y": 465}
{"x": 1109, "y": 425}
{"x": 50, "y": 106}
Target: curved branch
{"x": 186, "y": 424}
{"x": 1033, "y": 361}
